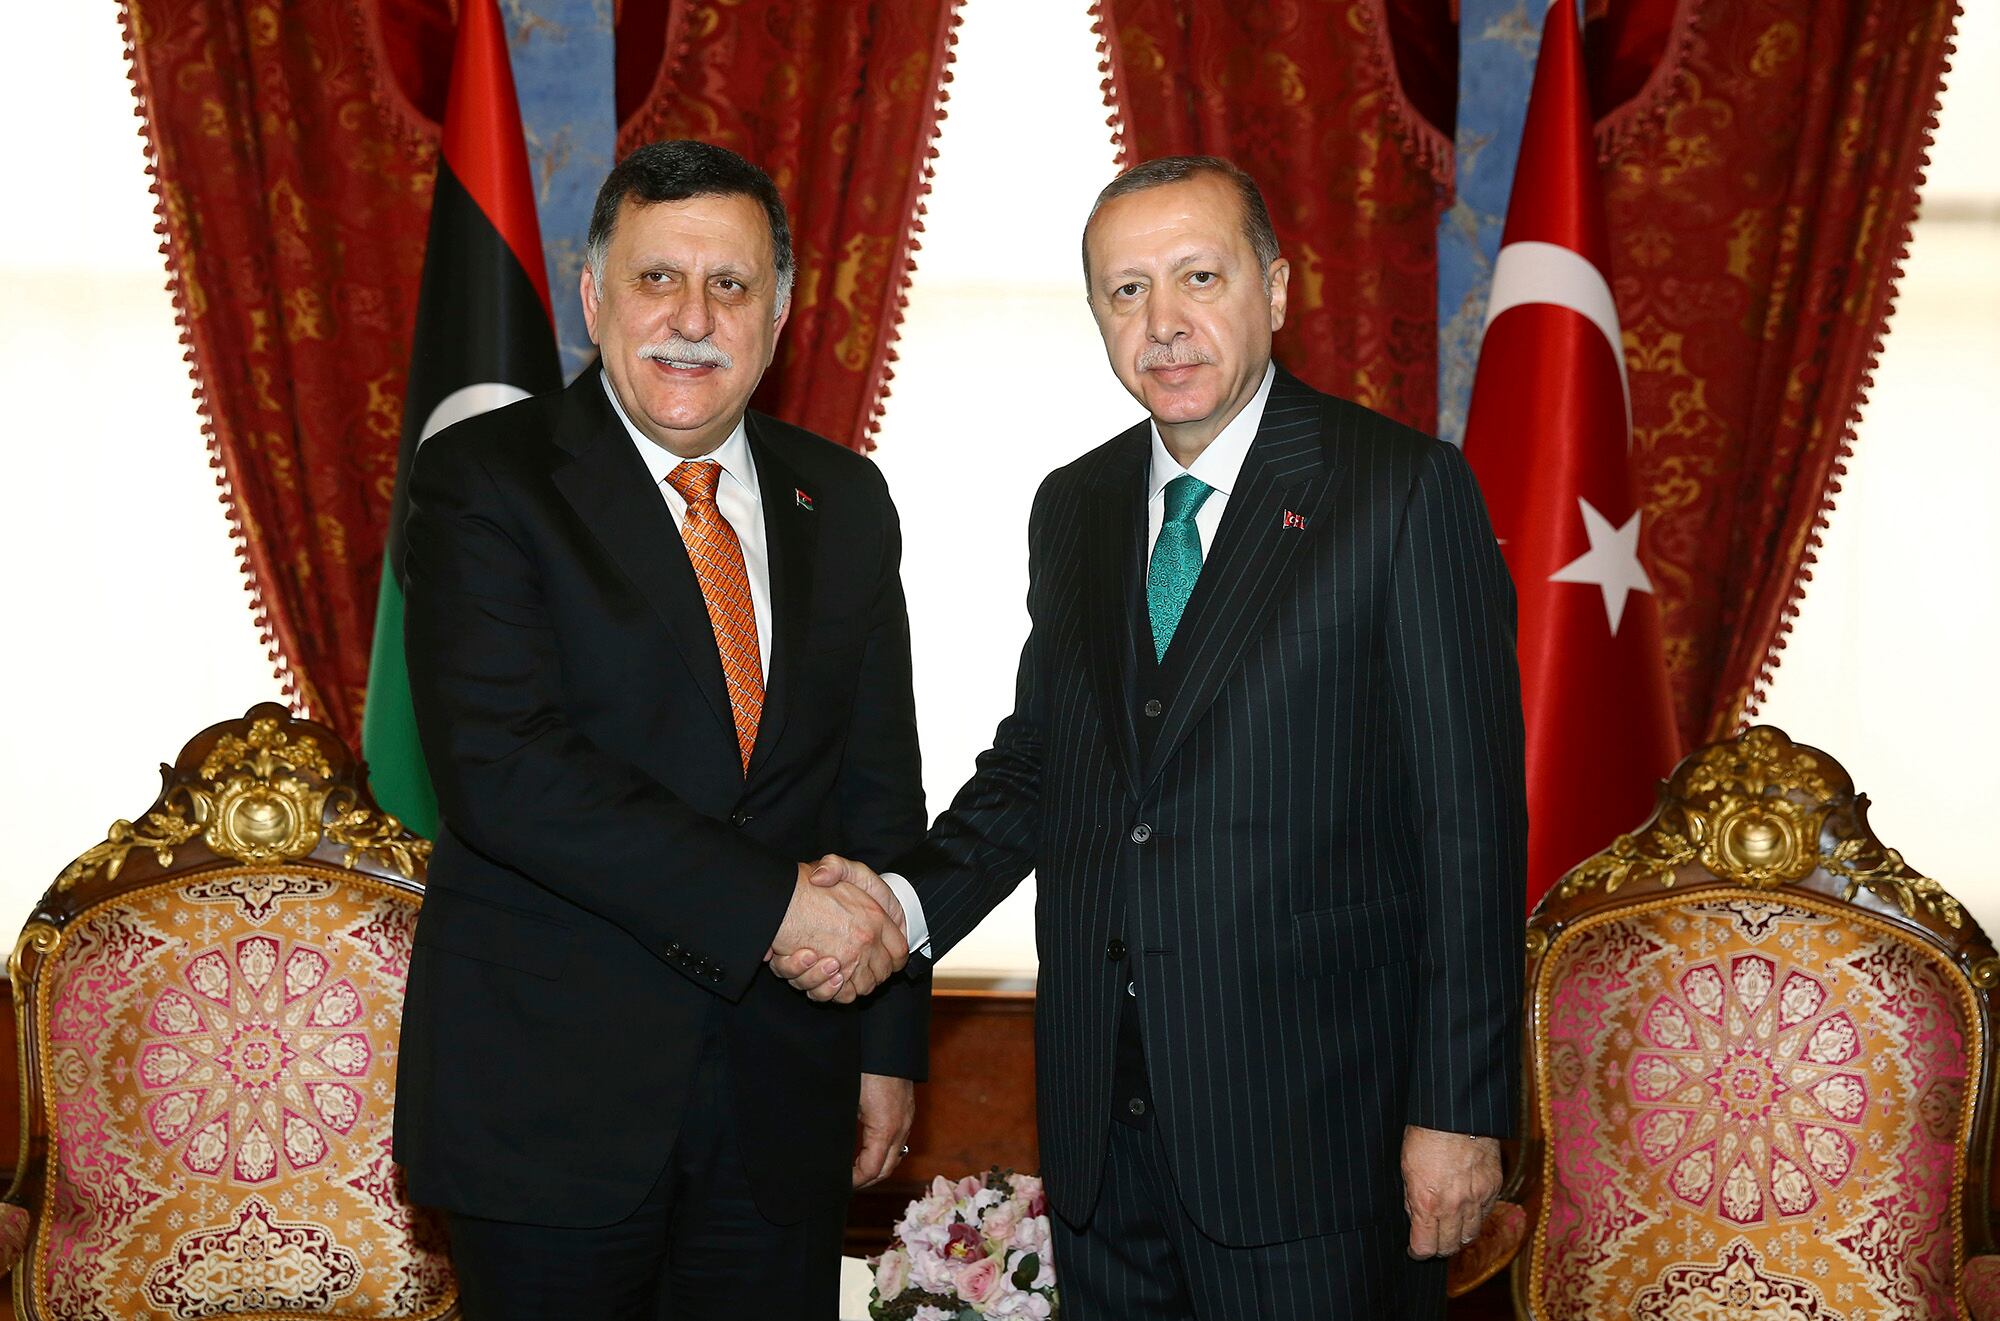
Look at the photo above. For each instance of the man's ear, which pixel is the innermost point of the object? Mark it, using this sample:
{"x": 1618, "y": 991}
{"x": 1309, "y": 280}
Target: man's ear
{"x": 586, "y": 290}
{"x": 1280, "y": 279}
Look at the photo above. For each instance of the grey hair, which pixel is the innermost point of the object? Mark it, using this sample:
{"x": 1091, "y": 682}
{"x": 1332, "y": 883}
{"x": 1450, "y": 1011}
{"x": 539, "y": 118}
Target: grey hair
{"x": 674, "y": 170}
{"x": 1174, "y": 169}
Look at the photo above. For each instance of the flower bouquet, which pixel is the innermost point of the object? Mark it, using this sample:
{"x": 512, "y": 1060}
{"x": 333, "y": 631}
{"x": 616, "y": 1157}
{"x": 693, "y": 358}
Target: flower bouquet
{"x": 967, "y": 1250}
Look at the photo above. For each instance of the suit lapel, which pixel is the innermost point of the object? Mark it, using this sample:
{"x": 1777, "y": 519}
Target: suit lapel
{"x": 609, "y": 486}
{"x": 1114, "y": 552}
{"x": 1290, "y": 470}
{"x": 791, "y": 535}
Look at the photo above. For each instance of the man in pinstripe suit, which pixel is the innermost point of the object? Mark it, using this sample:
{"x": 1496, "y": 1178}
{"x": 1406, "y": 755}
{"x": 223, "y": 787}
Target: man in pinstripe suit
{"x": 1266, "y": 758}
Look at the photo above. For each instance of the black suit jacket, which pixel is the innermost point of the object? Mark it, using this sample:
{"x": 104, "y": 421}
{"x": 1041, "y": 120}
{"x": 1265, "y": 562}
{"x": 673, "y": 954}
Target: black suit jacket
{"x": 606, "y": 879}
{"x": 1316, "y": 879}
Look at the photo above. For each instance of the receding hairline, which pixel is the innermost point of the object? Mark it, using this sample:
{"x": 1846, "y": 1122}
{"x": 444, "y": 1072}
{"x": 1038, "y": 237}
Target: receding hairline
{"x": 1195, "y": 173}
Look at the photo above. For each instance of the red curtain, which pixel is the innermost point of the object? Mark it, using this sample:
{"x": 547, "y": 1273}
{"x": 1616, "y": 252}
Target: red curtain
{"x": 1760, "y": 195}
{"x": 1760, "y": 160}
{"x": 294, "y": 145}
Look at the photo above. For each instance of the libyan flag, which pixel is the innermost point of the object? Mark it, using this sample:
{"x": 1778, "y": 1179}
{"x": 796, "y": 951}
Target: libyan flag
{"x": 483, "y": 339}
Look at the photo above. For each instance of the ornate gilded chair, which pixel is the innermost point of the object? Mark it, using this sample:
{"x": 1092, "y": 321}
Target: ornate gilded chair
{"x": 1760, "y": 1068}
{"x": 208, "y": 1006}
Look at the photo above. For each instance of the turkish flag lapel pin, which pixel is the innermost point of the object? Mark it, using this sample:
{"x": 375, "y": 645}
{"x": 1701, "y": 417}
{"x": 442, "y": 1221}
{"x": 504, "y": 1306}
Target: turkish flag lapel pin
{"x": 1293, "y": 520}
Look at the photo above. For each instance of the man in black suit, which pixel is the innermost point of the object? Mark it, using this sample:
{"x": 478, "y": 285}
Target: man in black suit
{"x": 1266, "y": 759}
{"x": 658, "y": 651}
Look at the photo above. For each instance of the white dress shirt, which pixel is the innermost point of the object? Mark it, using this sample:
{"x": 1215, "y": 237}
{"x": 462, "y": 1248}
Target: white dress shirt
{"x": 737, "y": 495}
{"x": 741, "y": 501}
{"x": 1218, "y": 466}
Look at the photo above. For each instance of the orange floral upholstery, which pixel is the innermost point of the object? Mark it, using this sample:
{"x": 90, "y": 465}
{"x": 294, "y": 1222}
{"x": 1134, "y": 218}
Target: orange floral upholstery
{"x": 1759, "y": 1074}
{"x": 1751, "y": 1104}
{"x": 215, "y": 1048}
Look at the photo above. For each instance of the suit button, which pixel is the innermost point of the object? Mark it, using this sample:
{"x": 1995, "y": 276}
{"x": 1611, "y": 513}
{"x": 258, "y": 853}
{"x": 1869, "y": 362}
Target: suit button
{"x": 1141, "y": 833}
{"x": 1115, "y": 950}
{"x": 739, "y": 818}
{"x": 1153, "y": 706}
{"x": 1136, "y": 1106}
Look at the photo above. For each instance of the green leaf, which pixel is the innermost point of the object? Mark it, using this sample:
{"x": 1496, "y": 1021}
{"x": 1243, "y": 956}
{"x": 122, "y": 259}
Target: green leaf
{"x": 1025, "y": 1273}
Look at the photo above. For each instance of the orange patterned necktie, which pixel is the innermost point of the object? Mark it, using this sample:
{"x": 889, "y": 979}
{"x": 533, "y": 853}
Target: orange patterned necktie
{"x": 718, "y": 561}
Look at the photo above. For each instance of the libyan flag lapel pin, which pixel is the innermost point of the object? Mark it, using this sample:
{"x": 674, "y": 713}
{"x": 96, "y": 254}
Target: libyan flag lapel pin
{"x": 805, "y": 501}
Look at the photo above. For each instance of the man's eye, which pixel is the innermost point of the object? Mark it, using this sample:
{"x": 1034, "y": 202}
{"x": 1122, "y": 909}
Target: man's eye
{"x": 654, "y": 277}
{"x": 728, "y": 285}
{"x": 1202, "y": 279}
{"x": 1128, "y": 290}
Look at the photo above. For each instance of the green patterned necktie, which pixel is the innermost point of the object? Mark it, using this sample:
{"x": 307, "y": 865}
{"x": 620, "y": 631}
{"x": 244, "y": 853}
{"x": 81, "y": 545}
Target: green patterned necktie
{"x": 1176, "y": 559}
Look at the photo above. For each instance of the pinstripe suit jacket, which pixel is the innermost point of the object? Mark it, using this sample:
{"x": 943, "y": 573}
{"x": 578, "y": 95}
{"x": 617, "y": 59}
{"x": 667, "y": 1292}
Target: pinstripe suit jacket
{"x": 1319, "y": 869}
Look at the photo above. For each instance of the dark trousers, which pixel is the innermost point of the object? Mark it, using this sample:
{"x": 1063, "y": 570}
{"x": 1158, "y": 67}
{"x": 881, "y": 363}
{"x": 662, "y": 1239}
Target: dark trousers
{"x": 1141, "y": 1259}
{"x": 696, "y": 1250}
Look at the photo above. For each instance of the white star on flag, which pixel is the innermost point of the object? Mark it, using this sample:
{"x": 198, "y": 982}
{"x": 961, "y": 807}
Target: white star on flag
{"x": 1612, "y": 562}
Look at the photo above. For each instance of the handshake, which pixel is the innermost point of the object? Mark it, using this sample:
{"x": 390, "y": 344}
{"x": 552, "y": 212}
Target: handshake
{"x": 844, "y": 934}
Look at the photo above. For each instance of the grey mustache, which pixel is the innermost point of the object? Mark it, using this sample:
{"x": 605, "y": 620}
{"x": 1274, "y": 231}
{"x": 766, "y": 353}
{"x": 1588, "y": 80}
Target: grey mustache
{"x": 1172, "y": 355}
{"x": 688, "y": 353}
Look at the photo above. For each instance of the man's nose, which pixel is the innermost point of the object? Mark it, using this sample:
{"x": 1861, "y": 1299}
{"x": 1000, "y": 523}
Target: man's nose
{"x": 1166, "y": 317}
{"x": 693, "y": 318}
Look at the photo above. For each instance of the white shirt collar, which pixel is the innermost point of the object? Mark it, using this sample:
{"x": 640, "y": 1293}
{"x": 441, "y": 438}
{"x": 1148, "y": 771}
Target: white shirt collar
{"x": 733, "y": 454}
{"x": 1219, "y": 463}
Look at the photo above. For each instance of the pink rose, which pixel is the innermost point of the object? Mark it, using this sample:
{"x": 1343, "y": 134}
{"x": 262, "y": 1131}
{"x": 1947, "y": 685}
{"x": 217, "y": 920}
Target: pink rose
{"x": 969, "y": 1186}
{"x": 1001, "y": 1222}
{"x": 977, "y": 1282}
{"x": 892, "y": 1273}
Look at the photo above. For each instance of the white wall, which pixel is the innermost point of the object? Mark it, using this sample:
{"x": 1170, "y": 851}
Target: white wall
{"x": 1891, "y": 665}
{"x": 1002, "y": 378}
{"x": 129, "y": 626}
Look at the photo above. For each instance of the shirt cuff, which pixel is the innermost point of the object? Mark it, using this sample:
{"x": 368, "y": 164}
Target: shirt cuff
{"x": 916, "y": 931}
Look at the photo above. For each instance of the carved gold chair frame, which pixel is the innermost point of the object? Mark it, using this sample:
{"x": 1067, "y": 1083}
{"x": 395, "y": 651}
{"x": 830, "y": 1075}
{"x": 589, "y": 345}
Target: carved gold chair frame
{"x": 266, "y": 790}
{"x": 1744, "y": 818}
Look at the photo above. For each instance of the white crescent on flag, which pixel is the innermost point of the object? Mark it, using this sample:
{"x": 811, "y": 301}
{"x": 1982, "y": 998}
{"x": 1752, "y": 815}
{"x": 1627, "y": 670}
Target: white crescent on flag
{"x": 469, "y": 401}
{"x": 1533, "y": 272}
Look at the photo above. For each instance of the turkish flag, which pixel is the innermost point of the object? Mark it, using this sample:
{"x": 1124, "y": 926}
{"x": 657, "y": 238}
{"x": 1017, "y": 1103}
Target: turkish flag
{"x": 1549, "y": 433}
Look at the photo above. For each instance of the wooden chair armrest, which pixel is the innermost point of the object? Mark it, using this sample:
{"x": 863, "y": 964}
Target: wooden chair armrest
{"x": 15, "y": 1222}
{"x": 1982, "y": 1287}
{"x": 1499, "y": 1241}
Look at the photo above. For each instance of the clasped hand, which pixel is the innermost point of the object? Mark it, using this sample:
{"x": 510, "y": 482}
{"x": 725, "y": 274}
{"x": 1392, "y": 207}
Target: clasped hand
{"x": 843, "y": 935}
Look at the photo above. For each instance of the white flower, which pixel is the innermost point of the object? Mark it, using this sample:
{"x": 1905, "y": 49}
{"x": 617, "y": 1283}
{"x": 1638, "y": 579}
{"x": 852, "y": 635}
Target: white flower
{"x": 892, "y": 1273}
{"x": 933, "y": 1273}
{"x": 1031, "y": 1235}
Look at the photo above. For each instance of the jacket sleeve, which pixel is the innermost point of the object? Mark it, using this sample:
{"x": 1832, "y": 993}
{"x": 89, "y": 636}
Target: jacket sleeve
{"x": 984, "y": 844}
{"x": 880, "y": 797}
{"x": 1452, "y": 667}
{"x": 518, "y": 783}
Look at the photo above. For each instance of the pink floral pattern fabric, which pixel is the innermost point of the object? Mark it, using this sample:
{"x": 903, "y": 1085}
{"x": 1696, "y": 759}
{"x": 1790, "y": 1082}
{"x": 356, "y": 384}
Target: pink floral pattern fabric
{"x": 221, "y": 1070}
{"x": 1751, "y": 1109}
